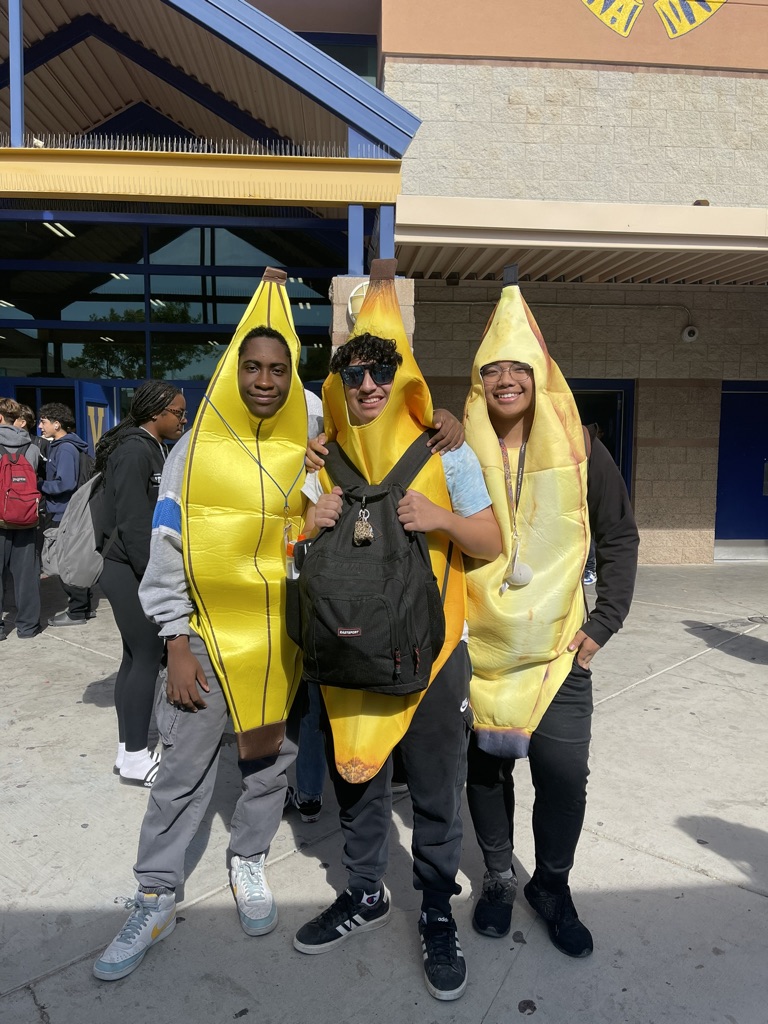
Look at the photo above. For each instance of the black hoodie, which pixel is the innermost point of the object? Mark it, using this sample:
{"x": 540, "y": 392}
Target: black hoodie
{"x": 131, "y": 485}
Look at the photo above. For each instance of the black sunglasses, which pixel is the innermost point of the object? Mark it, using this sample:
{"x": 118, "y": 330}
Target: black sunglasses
{"x": 381, "y": 373}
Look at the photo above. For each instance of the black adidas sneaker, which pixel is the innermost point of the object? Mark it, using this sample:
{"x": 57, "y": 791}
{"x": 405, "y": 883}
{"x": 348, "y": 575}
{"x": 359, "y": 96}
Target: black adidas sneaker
{"x": 445, "y": 971}
{"x": 355, "y": 910}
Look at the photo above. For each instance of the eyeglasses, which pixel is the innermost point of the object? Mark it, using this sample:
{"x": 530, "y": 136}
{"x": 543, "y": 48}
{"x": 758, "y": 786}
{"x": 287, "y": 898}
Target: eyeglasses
{"x": 381, "y": 373}
{"x": 493, "y": 372}
{"x": 180, "y": 414}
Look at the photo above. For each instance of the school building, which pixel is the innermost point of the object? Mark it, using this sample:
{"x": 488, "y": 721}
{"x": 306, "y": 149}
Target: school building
{"x": 154, "y": 157}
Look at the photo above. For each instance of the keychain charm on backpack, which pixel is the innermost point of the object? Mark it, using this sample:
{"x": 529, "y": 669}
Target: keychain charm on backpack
{"x": 363, "y": 532}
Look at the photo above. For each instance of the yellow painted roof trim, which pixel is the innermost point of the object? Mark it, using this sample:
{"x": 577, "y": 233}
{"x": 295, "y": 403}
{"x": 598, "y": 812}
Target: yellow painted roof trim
{"x": 197, "y": 177}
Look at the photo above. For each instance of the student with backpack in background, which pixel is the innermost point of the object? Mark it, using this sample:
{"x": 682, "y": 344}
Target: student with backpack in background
{"x": 18, "y": 520}
{"x": 376, "y": 402}
{"x": 64, "y": 473}
{"x": 131, "y": 457}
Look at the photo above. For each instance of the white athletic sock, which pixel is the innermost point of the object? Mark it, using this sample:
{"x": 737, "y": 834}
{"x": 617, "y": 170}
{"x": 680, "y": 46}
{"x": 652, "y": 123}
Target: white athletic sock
{"x": 136, "y": 763}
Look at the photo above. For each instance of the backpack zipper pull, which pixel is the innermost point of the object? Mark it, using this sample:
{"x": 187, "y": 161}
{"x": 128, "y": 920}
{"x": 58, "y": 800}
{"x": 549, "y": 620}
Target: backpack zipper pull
{"x": 397, "y": 662}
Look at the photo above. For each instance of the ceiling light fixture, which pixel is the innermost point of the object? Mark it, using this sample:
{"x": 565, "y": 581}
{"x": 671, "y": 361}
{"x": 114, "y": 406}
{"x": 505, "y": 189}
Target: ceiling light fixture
{"x": 53, "y": 228}
{"x": 8, "y": 305}
{"x": 70, "y": 234}
{"x": 103, "y": 337}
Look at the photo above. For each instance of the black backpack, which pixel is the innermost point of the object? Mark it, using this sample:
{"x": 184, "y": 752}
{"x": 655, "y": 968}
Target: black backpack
{"x": 371, "y": 613}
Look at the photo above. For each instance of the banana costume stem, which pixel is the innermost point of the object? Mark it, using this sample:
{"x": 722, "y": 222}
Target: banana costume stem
{"x": 518, "y": 636}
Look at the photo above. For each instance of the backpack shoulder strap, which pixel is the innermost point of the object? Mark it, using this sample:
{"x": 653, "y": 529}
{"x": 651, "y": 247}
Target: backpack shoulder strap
{"x": 416, "y": 456}
{"x": 341, "y": 468}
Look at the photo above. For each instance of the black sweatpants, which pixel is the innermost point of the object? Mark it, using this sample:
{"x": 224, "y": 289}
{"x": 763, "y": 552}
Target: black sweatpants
{"x": 142, "y": 653}
{"x": 434, "y": 753}
{"x": 18, "y": 554}
{"x": 558, "y": 757}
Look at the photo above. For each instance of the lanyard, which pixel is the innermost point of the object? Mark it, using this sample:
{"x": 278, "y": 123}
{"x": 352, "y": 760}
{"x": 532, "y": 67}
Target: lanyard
{"x": 286, "y": 494}
{"x": 514, "y": 498}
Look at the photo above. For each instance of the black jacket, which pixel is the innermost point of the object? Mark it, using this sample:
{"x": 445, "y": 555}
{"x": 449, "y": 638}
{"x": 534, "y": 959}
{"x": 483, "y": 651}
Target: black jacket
{"x": 614, "y": 530}
{"x": 131, "y": 486}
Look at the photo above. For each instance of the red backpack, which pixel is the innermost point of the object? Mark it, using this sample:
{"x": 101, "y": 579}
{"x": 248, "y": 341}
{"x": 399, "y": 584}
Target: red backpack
{"x": 19, "y": 496}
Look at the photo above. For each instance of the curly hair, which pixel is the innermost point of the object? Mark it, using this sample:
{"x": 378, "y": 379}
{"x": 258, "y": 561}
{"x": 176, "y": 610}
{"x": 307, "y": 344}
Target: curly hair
{"x": 149, "y": 400}
{"x": 57, "y": 412}
{"x": 368, "y": 348}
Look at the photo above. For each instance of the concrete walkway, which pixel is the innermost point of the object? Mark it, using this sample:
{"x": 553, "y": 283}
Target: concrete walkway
{"x": 671, "y": 873}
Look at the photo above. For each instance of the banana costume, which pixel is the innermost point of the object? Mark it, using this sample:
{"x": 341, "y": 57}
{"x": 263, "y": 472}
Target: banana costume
{"x": 366, "y": 726}
{"x": 518, "y": 639}
{"x": 234, "y": 525}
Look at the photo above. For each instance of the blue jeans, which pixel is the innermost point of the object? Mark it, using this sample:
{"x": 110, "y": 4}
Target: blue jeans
{"x": 310, "y": 761}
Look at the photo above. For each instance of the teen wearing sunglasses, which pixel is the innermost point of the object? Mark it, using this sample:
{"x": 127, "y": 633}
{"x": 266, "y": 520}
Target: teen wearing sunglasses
{"x": 376, "y": 398}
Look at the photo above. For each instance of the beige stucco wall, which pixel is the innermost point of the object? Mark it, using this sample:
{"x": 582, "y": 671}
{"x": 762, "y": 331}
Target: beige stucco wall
{"x": 506, "y": 130}
{"x": 677, "y": 398}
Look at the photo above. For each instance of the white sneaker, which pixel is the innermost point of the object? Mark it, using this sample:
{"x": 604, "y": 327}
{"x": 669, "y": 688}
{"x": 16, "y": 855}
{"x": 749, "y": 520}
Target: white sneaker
{"x": 152, "y": 918}
{"x": 258, "y": 913}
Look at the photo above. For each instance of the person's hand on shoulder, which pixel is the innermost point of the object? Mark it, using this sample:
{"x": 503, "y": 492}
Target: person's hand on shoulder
{"x": 450, "y": 433}
{"x": 313, "y": 460}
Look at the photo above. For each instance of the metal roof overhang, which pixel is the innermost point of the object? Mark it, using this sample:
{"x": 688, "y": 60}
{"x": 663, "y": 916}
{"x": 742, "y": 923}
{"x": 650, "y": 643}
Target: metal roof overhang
{"x": 594, "y": 243}
{"x": 214, "y": 66}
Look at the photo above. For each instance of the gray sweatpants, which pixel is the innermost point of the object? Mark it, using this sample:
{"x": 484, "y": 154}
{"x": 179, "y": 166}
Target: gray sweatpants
{"x": 184, "y": 785}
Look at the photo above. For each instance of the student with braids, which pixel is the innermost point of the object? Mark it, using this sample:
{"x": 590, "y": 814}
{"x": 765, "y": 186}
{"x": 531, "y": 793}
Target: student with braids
{"x": 131, "y": 457}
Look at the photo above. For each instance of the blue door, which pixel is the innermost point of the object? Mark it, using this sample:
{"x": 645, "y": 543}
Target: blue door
{"x": 741, "y": 522}
{"x": 96, "y": 412}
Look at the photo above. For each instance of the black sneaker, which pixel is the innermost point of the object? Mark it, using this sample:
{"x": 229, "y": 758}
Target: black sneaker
{"x": 566, "y": 931}
{"x": 445, "y": 971}
{"x": 493, "y": 911}
{"x": 354, "y": 911}
{"x": 308, "y": 809}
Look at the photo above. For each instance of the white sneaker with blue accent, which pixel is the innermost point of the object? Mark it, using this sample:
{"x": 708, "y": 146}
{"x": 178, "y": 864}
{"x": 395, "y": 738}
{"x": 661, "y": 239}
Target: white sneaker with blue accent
{"x": 152, "y": 918}
{"x": 255, "y": 905}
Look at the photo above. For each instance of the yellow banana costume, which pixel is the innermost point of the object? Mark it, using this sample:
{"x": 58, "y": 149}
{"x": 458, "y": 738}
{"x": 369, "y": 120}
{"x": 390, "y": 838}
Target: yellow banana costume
{"x": 366, "y": 726}
{"x": 233, "y": 532}
{"x": 518, "y": 639}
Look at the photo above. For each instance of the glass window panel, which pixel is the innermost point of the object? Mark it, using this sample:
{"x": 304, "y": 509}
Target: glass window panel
{"x": 98, "y": 242}
{"x": 182, "y": 356}
{"x": 22, "y": 354}
{"x": 99, "y": 355}
{"x": 179, "y": 245}
{"x": 314, "y": 360}
{"x": 65, "y": 295}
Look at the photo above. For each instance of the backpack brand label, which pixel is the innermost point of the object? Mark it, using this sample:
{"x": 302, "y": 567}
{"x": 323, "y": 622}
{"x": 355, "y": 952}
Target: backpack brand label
{"x": 349, "y": 631}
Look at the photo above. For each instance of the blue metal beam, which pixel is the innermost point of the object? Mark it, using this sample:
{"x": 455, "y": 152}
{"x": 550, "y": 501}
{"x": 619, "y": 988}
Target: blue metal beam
{"x": 361, "y": 106}
{"x": 184, "y": 220}
{"x": 110, "y": 326}
{"x": 355, "y": 242}
{"x": 88, "y": 25}
{"x": 16, "y": 70}
{"x": 386, "y": 232}
{"x": 158, "y": 269}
